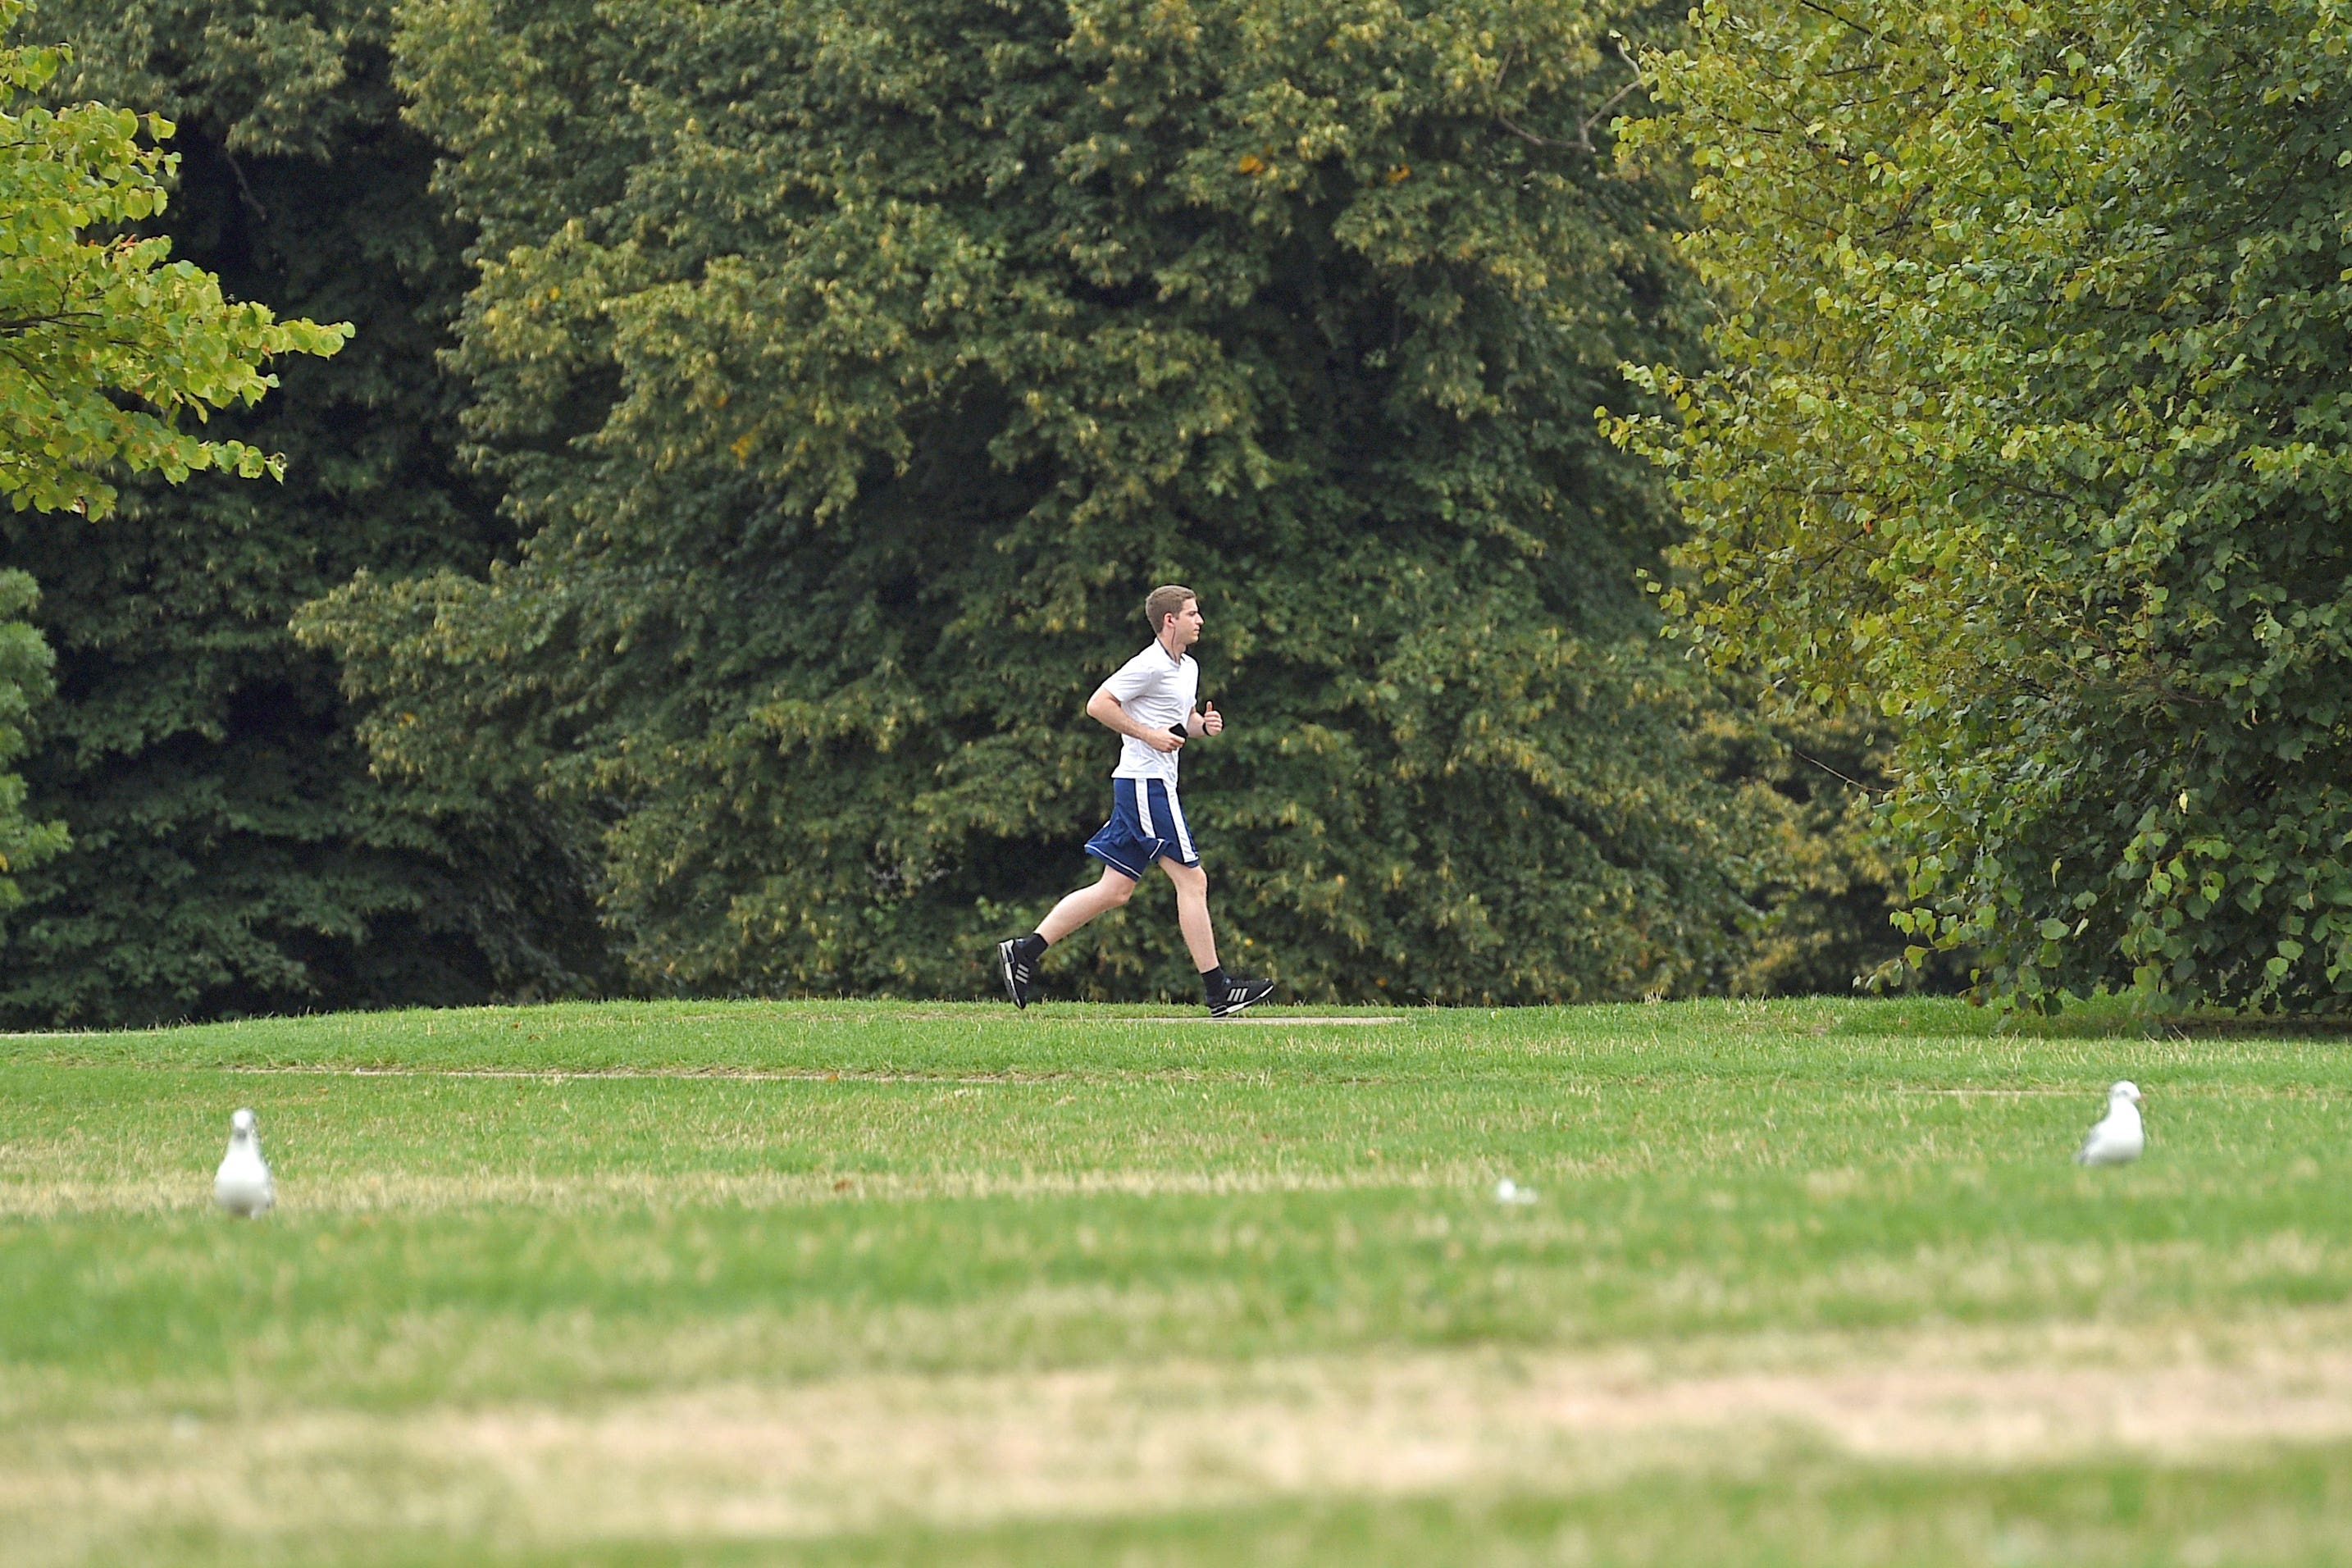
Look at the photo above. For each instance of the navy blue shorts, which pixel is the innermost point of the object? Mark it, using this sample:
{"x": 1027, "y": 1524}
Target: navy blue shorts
{"x": 1145, "y": 823}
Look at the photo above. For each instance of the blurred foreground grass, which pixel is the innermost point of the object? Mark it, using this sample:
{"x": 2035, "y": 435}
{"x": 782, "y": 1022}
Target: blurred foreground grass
{"x": 1806, "y": 1282}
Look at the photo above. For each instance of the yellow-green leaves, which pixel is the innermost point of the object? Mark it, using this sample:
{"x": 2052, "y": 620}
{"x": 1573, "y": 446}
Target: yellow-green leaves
{"x": 2030, "y": 428}
{"x": 109, "y": 346}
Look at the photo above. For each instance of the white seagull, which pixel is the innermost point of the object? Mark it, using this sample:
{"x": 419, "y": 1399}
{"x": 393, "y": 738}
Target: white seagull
{"x": 242, "y": 1184}
{"x": 2116, "y": 1139}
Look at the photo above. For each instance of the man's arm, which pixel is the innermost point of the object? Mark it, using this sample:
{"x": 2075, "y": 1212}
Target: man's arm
{"x": 1104, "y": 709}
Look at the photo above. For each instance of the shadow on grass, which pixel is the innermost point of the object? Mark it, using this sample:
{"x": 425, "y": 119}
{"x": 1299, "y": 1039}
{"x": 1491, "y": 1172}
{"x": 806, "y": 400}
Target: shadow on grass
{"x": 2113, "y": 1017}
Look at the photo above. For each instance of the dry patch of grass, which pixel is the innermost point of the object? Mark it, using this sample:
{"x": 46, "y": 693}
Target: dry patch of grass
{"x": 416, "y": 1193}
{"x": 855, "y": 1453}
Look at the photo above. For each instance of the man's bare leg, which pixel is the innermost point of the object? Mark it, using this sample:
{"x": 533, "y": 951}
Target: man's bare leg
{"x": 1226, "y": 993}
{"x": 1192, "y": 912}
{"x": 1076, "y": 909}
{"x": 1018, "y": 956}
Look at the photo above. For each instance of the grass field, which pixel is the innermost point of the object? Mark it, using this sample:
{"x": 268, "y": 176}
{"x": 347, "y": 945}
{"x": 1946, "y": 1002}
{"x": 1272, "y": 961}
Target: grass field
{"x": 1809, "y": 1282}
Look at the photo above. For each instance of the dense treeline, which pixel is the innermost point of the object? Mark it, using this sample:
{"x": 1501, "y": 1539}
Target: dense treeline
{"x": 762, "y": 421}
{"x": 764, "y": 415}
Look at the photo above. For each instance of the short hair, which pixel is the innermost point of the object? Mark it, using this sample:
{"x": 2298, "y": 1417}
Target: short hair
{"x": 1162, "y": 602}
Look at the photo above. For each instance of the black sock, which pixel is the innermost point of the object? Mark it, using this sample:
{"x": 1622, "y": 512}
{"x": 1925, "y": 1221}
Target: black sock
{"x": 1031, "y": 947}
{"x": 1212, "y": 980}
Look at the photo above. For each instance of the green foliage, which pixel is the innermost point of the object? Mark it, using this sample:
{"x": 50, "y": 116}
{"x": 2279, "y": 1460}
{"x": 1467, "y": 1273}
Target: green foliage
{"x": 856, "y": 368}
{"x": 109, "y": 342}
{"x": 1830, "y": 929}
{"x": 2030, "y": 430}
{"x": 232, "y": 851}
{"x": 105, "y": 347}
{"x": 24, "y": 661}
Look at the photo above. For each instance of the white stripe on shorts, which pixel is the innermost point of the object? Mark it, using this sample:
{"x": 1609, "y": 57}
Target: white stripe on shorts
{"x": 1184, "y": 834}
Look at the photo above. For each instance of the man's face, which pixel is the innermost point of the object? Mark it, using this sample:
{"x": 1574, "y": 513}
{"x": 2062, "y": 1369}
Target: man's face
{"x": 1183, "y": 629}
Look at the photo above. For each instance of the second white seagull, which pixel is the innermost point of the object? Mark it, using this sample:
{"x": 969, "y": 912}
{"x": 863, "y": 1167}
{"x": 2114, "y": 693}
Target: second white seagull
{"x": 242, "y": 1184}
{"x": 2116, "y": 1139}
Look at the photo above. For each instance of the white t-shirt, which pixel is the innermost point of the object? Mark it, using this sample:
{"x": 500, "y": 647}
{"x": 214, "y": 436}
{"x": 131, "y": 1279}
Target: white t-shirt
{"x": 1157, "y": 690}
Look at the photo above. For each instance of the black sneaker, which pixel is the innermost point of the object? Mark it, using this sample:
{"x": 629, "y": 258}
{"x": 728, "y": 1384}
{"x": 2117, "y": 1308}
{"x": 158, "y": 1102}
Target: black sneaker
{"x": 1238, "y": 995}
{"x": 1020, "y": 972}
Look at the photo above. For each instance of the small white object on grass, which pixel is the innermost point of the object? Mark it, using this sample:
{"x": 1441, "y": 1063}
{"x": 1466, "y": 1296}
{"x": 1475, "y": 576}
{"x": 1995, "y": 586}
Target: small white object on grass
{"x": 2116, "y": 1138}
{"x": 242, "y": 1184}
{"x": 1508, "y": 1191}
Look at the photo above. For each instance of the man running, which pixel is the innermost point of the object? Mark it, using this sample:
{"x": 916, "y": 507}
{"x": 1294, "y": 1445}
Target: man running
{"x": 1150, "y": 701}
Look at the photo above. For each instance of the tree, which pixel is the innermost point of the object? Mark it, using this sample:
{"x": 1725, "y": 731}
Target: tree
{"x": 2028, "y": 431}
{"x": 854, "y": 369}
{"x": 107, "y": 349}
{"x": 232, "y": 851}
